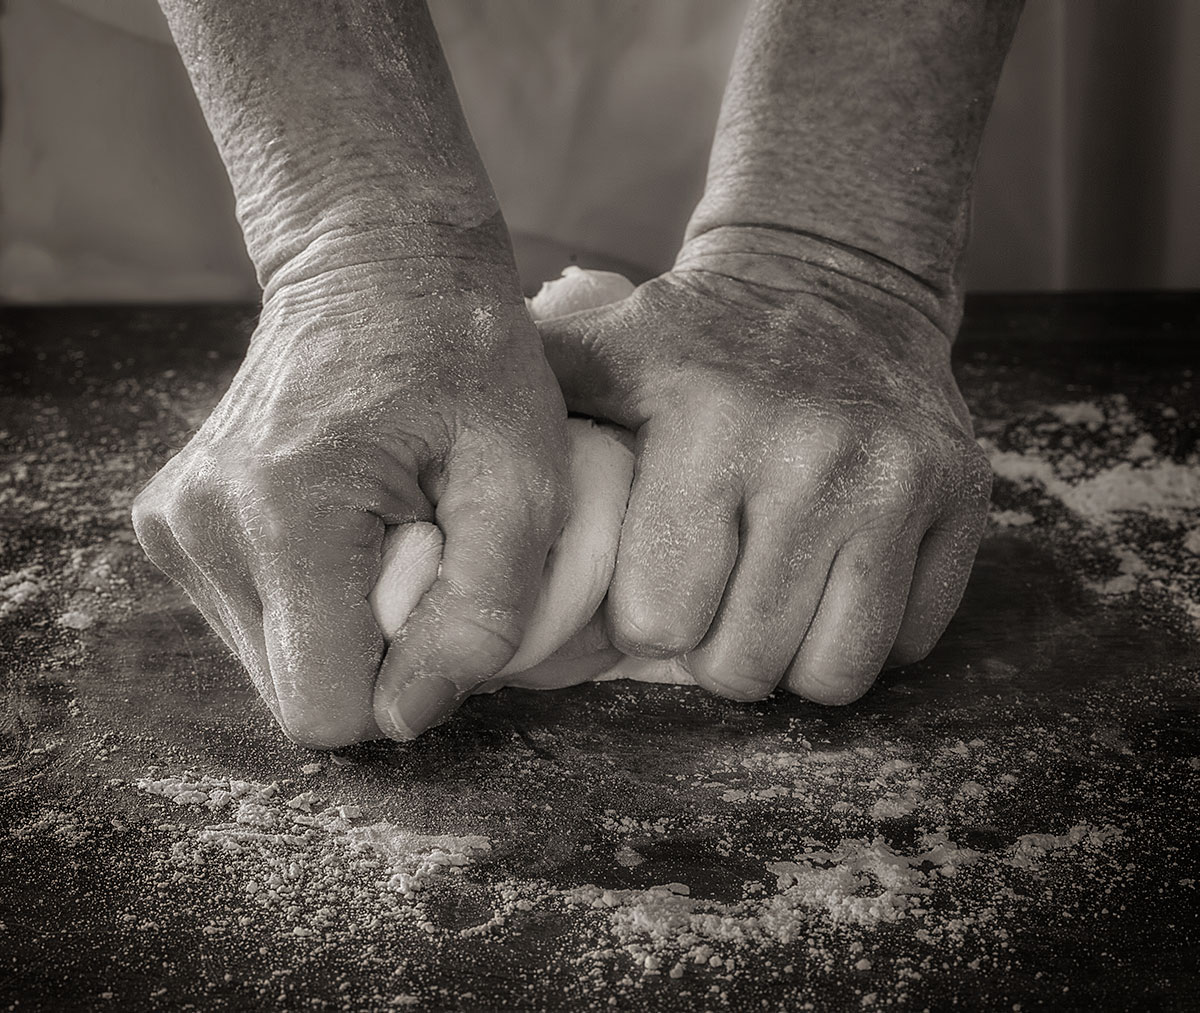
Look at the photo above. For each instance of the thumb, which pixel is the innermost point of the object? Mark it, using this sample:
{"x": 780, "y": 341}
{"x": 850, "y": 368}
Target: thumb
{"x": 468, "y": 624}
{"x": 575, "y": 349}
{"x": 573, "y": 314}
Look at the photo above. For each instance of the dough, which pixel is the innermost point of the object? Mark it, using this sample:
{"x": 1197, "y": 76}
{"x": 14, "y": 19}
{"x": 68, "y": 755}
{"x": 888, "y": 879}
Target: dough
{"x": 565, "y": 642}
{"x": 577, "y": 290}
{"x": 578, "y": 568}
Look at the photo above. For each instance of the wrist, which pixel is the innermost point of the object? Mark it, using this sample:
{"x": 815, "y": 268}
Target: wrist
{"x": 396, "y": 258}
{"x": 780, "y": 258}
{"x": 318, "y": 219}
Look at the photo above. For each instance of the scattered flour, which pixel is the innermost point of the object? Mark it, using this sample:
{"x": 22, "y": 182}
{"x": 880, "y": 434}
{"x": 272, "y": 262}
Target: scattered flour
{"x": 76, "y": 619}
{"x": 1011, "y": 518}
{"x": 286, "y": 849}
{"x": 867, "y": 882}
{"x": 1078, "y": 413}
{"x": 1162, "y": 489}
{"x": 19, "y": 588}
{"x": 303, "y": 857}
{"x": 1115, "y": 501}
{"x": 1031, "y": 849}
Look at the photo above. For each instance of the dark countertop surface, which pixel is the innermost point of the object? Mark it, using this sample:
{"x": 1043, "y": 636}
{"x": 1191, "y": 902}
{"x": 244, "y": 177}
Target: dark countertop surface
{"x": 1008, "y": 825}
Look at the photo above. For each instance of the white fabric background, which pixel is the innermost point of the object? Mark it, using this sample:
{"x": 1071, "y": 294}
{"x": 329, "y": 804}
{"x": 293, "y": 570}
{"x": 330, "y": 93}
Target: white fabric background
{"x": 594, "y": 119}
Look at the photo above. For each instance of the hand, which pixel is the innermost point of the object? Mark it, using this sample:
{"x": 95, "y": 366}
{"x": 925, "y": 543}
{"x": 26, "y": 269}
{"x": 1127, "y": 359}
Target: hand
{"x": 808, "y": 497}
{"x": 371, "y": 395}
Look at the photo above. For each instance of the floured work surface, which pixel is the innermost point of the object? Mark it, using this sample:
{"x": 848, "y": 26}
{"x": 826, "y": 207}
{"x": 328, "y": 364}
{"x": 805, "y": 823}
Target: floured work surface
{"x": 1009, "y": 822}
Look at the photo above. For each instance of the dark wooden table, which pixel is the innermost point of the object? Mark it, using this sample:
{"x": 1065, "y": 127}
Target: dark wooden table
{"x": 1008, "y": 825}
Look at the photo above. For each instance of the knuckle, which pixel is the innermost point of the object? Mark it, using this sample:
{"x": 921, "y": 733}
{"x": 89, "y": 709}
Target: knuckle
{"x": 717, "y": 501}
{"x": 860, "y": 557}
{"x": 838, "y": 437}
{"x": 900, "y": 461}
{"x": 835, "y": 691}
{"x": 271, "y": 524}
{"x": 274, "y": 480}
{"x": 704, "y": 454}
{"x": 833, "y": 684}
{"x": 917, "y": 639}
{"x": 321, "y": 732}
{"x": 167, "y": 519}
{"x": 818, "y": 450}
{"x": 180, "y": 499}
{"x": 650, "y": 634}
{"x": 192, "y": 511}
{"x": 530, "y": 488}
{"x": 270, "y": 497}
{"x": 746, "y": 680}
{"x": 149, "y": 524}
{"x": 714, "y": 409}
{"x": 910, "y": 650}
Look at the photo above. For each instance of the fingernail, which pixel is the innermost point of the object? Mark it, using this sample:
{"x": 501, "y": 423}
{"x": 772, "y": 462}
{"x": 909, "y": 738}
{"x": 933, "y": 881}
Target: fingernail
{"x": 421, "y": 705}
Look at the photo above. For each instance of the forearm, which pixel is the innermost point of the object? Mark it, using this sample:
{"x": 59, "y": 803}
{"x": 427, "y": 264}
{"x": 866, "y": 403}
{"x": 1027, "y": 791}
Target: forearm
{"x": 339, "y": 125}
{"x": 853, "y": 128}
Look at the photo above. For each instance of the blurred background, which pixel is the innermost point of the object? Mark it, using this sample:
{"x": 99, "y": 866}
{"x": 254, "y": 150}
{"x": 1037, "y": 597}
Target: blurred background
{"x": 594, "y": 119}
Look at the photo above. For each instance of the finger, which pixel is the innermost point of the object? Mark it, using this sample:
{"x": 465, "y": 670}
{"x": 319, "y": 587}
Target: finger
{"x": 942, "y": 570}
{"x": 164, "y": 551}
{"x": 857, "y": 620}
{"x": 322, "y": 641}
{"x": 498, "y": 524}
{"x": 231, "y": 592}
{"x": 218, "y": 584}
{"x": 678, "y": 545}
{"x": 770, "y": 600}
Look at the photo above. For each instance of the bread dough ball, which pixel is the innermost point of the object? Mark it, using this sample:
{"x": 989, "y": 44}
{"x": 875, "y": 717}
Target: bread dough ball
{"x": 578, "y": 290}
{"x": 565, "y": 641}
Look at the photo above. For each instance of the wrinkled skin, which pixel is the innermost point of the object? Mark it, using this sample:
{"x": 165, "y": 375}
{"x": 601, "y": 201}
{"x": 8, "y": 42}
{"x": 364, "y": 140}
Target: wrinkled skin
{"x": 365, "y": 401}
{"x": 808, "y": 497}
